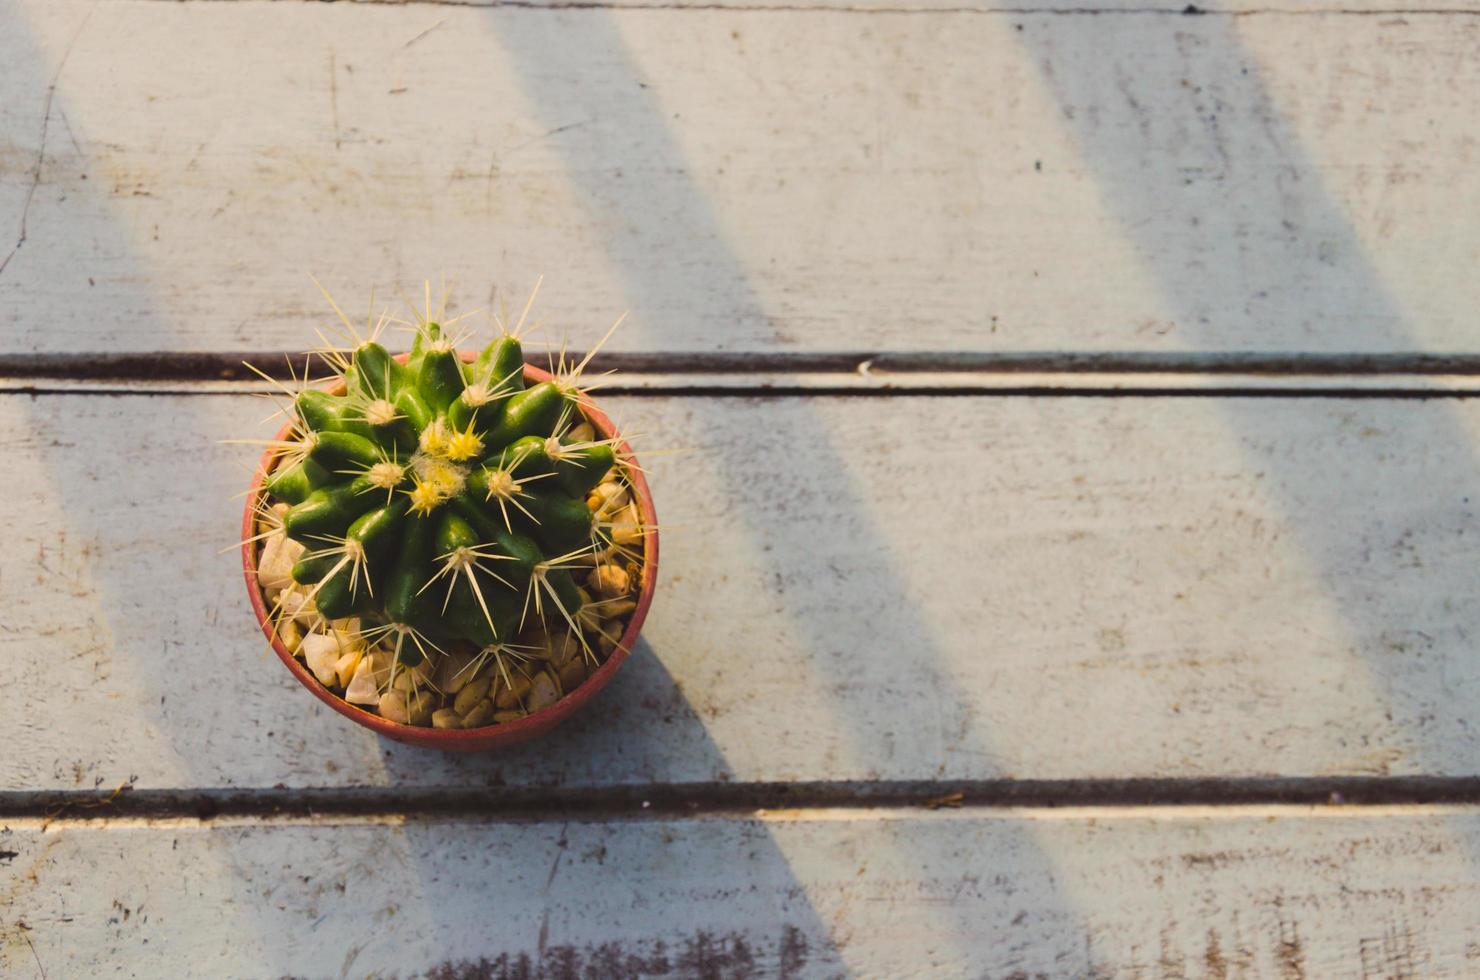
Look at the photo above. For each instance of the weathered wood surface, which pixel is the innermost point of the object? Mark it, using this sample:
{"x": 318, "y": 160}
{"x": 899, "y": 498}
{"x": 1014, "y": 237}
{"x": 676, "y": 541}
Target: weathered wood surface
{"x": 898, "y": 588}
{"x": 979, "y": 893}
{"x": 1384, "y": 8}
{"x": 743, "y": 180}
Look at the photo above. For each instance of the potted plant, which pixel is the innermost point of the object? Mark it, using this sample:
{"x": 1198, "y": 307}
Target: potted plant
{"x": 453, "y": 548}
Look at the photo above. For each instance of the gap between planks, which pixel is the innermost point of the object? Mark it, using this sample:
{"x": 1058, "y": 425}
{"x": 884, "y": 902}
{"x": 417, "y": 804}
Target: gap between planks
{"x": 1105, "y": 814}
{"x": 1168, "y": 10}
{"x": 876, "y": 384}
{"x": 840, "y": 373}
{"x": 730, "y": 799}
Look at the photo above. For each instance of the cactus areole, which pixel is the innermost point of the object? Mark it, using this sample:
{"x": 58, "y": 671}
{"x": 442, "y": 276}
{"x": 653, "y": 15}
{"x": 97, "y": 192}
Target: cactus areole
{"x": 441, "y": 500}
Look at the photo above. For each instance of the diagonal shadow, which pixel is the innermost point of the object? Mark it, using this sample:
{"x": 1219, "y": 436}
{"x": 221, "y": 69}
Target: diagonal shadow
{"x": 97, "y": 597}
{"x": 142, "y": 641}
{"x": 659, "y": 218}
{"x": 1232, "y": 218}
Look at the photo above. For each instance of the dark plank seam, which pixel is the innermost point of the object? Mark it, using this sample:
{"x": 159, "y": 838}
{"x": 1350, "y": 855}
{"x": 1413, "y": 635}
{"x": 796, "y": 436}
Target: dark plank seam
{"x": 890, "y": 391}
{"x": 1184, "y": 10}
{"x": 722, "y": 799}
{"x": 228, "y": 366}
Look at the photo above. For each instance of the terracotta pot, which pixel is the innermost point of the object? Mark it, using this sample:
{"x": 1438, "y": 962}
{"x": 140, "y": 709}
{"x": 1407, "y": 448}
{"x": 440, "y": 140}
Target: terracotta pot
{"x": 489, "y": 736}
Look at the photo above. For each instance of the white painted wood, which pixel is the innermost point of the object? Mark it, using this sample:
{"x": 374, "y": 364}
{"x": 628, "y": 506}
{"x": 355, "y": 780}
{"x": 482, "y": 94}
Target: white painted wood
{"x": 1115, "y": 893}
{"x": 1000, "y": 7}
{"x": 852, "y": 588}
{"x": 743, "y": 180}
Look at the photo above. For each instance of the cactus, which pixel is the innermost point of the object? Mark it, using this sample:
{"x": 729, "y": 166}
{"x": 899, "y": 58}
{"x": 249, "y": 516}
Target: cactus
{"x": 442, "y": 502}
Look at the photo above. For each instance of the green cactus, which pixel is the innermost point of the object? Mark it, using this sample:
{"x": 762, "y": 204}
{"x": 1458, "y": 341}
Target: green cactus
{"x": 442, "y": 501}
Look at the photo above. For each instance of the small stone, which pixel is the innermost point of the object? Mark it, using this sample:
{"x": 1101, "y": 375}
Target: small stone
{"x": 509, "y": 697}
{"x": 618, "y": 609}
{"x": 614, "y": 496}
{"x": 626, "y": 529}
{"x": 607, "y": 642}
{"x": 572, "y": 674}
{"x": 380, "y": 662}
{"x": 291, "y": 634}
{"x": 614, "y": 514}
{"x": 453, "y": 673}
{"x": 563, "y": 646}
{"x": 346, "y": 665}
{"x": 273, "y": 519}
{"x": 502, "y": 716}
{"x": 588, "y": 617}
{"x": 471, "y": 693}
{"x": 542, "y": 692}
{"x": 275, "y": 564}
{"x": 298, "y": 605}
{"x": 362, "y": 688}
{"x": 347, "y": 640}
{"x": 610, "y": 581}
{"x": 446, "y": 718}
{"x": 321, "y": 653}
{"x": 392, "y": 707}
{"x": 480, "y": 714}
{"x": 420, "y": 707}
{"x": 581, "y": 433}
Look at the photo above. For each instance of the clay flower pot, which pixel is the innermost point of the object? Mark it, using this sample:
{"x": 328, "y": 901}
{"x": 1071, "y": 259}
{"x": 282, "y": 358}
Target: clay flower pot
{"x": 488, "y": 736}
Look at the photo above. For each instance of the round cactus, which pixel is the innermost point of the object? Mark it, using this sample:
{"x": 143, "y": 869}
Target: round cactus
{"x": 440, "y": 500}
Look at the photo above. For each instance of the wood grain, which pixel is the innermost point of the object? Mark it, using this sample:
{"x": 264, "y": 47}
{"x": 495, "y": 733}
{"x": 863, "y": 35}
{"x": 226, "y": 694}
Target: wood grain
{"x": 903, "y": 588}
{"x": 744, "y": 181}
{"x": 1130, "y": 8}
{"x": 1271, "y": 893}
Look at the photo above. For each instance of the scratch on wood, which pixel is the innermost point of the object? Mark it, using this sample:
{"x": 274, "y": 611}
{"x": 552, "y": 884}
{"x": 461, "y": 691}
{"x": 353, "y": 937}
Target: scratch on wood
{"x": 334, "y": 97}
{"x": 560, "y": 846}
{"x": 424, "y": 33}
{"x": 37, "y": 956}
{"x": 51, "y": 91}
{"x": 546, "y": 135}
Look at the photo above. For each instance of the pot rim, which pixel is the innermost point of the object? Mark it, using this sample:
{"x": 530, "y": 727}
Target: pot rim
{"x": 487, "y": 736}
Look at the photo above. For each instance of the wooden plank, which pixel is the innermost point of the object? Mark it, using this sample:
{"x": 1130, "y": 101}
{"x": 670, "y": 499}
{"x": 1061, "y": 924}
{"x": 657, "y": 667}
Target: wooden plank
{"x": 1111, "y": 893}
{"x": 854, "y": 589}
{"x": 1136, "y": 8}
{"x": 743, "y": 180}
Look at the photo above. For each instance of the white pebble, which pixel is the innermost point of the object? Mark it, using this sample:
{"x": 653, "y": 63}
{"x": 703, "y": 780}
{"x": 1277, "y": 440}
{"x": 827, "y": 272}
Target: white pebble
{"x": 346, "y": 665}
{"x": 362, "y": 688}
{"x": 322, "y": 655}
{"x": 298, "y": 605}
{"x": 275, "y": 566}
